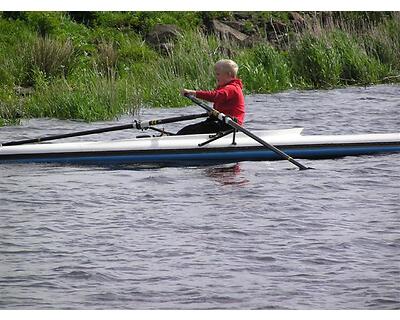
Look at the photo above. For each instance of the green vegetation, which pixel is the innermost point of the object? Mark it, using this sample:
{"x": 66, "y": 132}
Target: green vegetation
{"x": 96, "y": 66}
{"x": 264, "y": 69}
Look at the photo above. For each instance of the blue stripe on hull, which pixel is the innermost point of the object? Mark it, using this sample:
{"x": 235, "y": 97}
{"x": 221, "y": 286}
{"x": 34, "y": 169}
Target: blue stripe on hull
{"x": 219, "y": 156}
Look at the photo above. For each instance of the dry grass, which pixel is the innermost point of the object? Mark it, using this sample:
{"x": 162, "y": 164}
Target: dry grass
{"x": 52, "y": 57}
{"x": 106, "y": 59}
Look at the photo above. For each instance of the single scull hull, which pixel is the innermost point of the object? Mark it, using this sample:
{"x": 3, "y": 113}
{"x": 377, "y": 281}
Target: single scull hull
{"x": 186, "y": 150}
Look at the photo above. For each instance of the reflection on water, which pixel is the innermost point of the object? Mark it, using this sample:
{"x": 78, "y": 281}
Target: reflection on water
{"x": 227, "y": 174}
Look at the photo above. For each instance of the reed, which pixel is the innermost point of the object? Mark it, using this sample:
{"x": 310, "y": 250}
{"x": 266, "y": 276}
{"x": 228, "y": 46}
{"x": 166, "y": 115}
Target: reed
{"x": 315, "y": 62}
{"x": 356, "y": 66}
{"x": 264, "y": 69}
{"x": 383, "y": 42}
{"x": 98, "y": 98}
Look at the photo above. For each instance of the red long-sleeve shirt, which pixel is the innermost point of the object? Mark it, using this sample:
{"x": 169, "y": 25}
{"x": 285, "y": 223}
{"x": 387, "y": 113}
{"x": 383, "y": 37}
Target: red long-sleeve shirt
{"x": 227, "y": 99}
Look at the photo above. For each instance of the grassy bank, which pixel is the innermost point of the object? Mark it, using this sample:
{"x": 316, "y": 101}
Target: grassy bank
{"x": 98, "y": 66}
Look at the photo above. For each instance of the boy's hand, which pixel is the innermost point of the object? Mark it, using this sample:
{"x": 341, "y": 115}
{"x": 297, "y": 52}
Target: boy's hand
{"x": 184, "y": 92}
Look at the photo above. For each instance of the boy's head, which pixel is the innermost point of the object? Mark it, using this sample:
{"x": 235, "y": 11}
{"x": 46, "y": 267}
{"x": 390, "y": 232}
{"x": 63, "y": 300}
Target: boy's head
{"x": 225, "y": 71}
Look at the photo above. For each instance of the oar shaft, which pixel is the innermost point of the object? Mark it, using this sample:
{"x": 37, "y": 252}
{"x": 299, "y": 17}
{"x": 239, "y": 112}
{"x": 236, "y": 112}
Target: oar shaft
{"x": 222, "y": 117}
{"x": 70, "y": 135}
{"x": 136, "y": 125}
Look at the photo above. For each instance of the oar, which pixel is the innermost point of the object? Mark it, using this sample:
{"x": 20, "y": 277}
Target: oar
{"x": 225, "y": 119}
{"x": 135, "y": 125}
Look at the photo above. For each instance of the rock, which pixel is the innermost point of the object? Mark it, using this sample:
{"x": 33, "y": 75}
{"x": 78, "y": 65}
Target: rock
{"x": 226, "y": 32}
{"x": 276, "y": 27}
{"x": 237, "y": 25}
{"x": 166, "y": 48}
{"x": 162, "y": 37}
{"x": 225, "y": 51}
{"x": 252, "y": 40}
{"x": 242, "y": 15}
{"x": 243, "y": 26}
{"x": 293, "y": 15}
{"x": 297, "y": 20}
{"x": 327, "y": 18}
{"x": 22, "y": 91}
{"x": 207, "y": 22}
{"x": 163, "y": 33}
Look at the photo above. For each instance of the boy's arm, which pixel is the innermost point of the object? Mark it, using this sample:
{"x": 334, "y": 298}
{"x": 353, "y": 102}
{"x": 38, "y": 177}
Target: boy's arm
{"x": 218, "y": 95}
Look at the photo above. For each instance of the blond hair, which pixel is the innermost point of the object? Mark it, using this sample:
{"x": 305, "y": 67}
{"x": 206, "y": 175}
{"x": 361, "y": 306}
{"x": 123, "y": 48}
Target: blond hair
{"x": 228, "y": 66}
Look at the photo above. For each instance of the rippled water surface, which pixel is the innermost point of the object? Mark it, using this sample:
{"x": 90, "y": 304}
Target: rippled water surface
{"x": 255, "y": 235}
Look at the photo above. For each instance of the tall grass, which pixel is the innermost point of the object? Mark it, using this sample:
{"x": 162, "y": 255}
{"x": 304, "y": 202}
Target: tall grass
{"x": 383, "y": 42}
{"x": 11, "y": 109}
{"x": 190, "y": 65}
{"x": 315, "y": 62}
{"x": 16, "y": 39}
{"x": 97, "y": 98}
{"x": 106, "y": 59}
{"x": 356, "y": 66}
{"x": 264, "y": 69}
{"x": 52, "y": 57}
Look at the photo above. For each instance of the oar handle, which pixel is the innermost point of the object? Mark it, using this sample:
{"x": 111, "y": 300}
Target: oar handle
{"x": 228, "y": 120}
{"x": 148, "y": 123}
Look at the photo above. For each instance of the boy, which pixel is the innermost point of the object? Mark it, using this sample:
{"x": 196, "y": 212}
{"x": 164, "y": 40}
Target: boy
{"x": 227, "y": 97}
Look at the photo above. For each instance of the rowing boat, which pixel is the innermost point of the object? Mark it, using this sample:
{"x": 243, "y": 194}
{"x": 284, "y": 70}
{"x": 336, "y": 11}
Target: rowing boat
{"x": 197, "y": 149}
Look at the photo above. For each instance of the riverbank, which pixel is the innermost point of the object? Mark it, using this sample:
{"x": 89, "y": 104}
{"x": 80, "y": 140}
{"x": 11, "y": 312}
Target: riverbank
{"x": 97, "y": 66}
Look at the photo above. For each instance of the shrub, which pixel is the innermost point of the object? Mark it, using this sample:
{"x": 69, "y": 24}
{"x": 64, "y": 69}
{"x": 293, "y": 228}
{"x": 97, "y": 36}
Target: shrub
{"x": 87, "y": 18}
{"x": 45, "y": 23}
{"x": 142, "y": 22}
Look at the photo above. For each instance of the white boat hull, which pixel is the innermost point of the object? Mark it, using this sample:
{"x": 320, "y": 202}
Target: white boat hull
{"x": 186, "y": 149}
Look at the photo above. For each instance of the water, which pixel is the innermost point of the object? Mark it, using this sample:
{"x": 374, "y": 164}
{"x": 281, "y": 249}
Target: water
{"x": 255, "y": 235}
